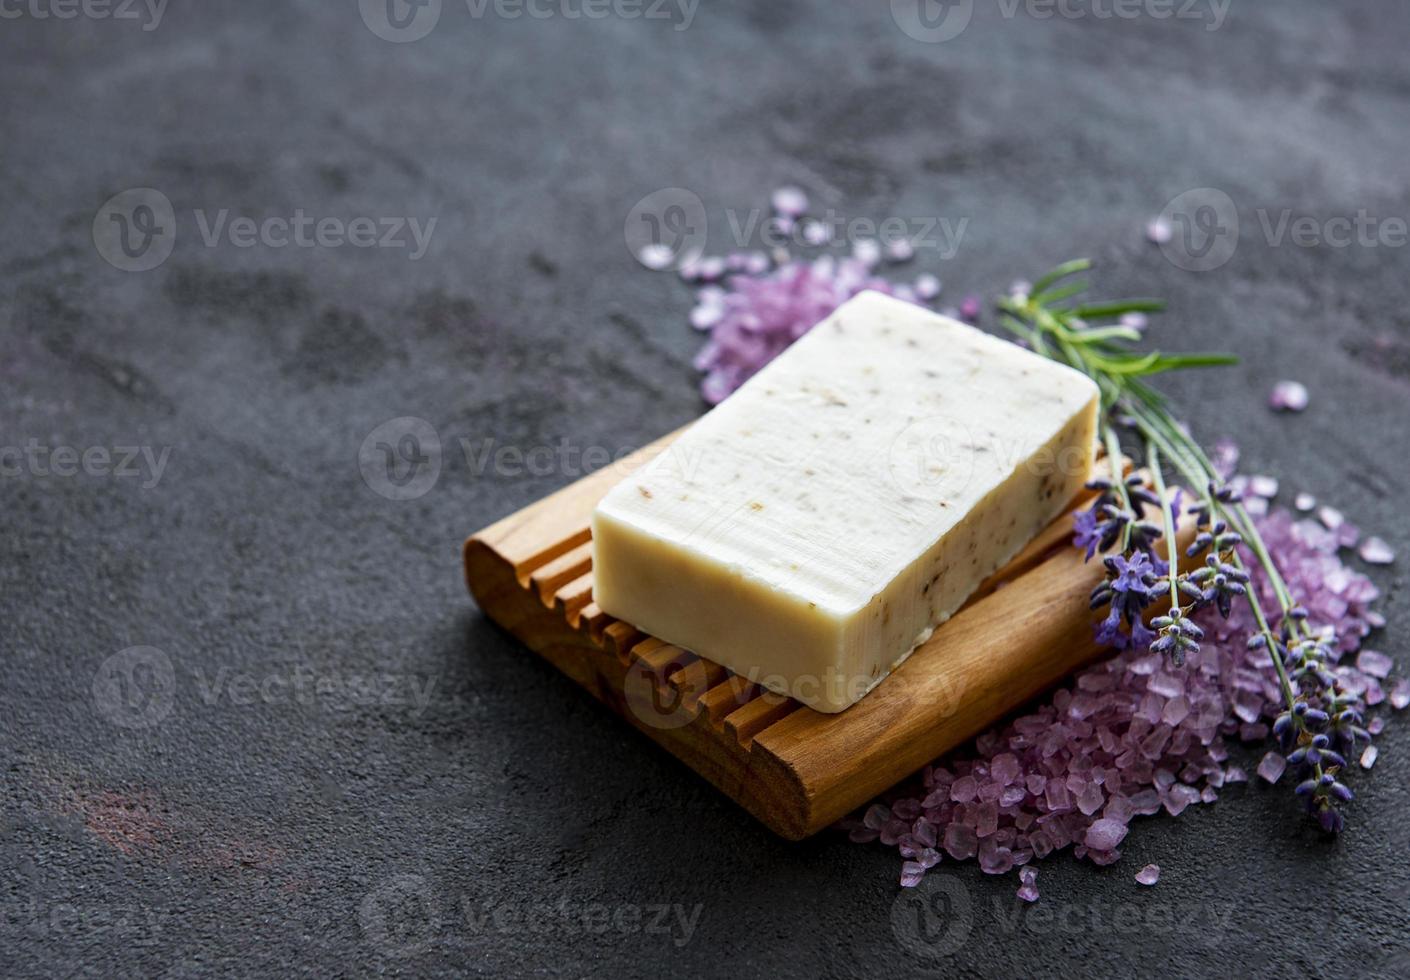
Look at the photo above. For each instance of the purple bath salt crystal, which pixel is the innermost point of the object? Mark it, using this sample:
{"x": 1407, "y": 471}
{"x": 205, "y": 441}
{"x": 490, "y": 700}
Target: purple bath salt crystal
{"x": 1400, "y": 694}
{"x": 1148, "y": 875}
{"x": 964, "y": 789}
{"x": 1105, "y": 835}
{"x": 1305, "y": 502}
{"x": 927, "y": 287}
{"x": 1288, "y": 396}
{"x": 1263, "y": 486}
{"x": 1028, "y": 883}
{"x": 1176, "y": 711}
{"x": 1374, "y": 662}
{"x": 1376, "y": 725}
{"x": 1158, "y": 231}
{"x": 1272, "y": 766}
{"x": 911, "y": 873}
{"x": 816, "y": 233}
{"x": 706, "y": 315}
{"x": 993, "y": 859}
{"x": 1005, "y": 769}
{"x": 970, "y": 308}
{"x": 656, "y": 256}
{"x": 1135, "y": 320}
{"x": 867, "y": 252}
{"x": 1374, "y": 551}
{"x": 1090, "y": 799}
{"x": 1330, "y": 517}
{"x": 1368, "y": 758}
{"x": 1179, "y": 796}
{"x": 986, "y": 819}
{"x": 961, "y": 842}
{"x": 900, "y": 250}
{"x": 789, "y": 201}
{"x": 1166, "y": 685}
{"x": 1235, "y": 774}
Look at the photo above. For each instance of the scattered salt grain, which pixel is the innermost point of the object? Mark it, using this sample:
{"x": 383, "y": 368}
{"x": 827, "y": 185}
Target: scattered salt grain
{"x": 1375, "y": 663}
{"x": 1305, "y": 502}
{"x": 1263, "y": 486}
{"x": 1368, "y": 758}
{"x": 1272, "y": 766}
{"x": 900, "y": 250}
{"x": 816, "y": 233}
{"x": 1375, "y": 551}
{"x": 970, "y": 307}
{"x": 1135, "y": 320}
{"x": 656, "y": 256}
{"x": 1028, "y": 883}
{"x": 1288, "y": 396}
{"x": 927, "y": 287}
{"x": 789, "y": 201}
{"x": 867, "y": 252}
{"x": 1159, "y": 231}
{"x": 1400, "y": 694}
{"x": 1148, "y": 875}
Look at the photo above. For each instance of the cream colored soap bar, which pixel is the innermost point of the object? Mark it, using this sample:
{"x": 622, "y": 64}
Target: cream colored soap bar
{"x": 817, "y": 526}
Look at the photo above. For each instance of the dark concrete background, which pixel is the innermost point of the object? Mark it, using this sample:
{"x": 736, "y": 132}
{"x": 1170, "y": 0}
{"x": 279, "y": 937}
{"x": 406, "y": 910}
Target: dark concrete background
{"x": 334, "y": 828}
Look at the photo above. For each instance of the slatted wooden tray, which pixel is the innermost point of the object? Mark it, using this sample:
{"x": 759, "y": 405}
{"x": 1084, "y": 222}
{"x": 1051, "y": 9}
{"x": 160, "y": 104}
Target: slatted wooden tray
{"x": 796, "y": 769}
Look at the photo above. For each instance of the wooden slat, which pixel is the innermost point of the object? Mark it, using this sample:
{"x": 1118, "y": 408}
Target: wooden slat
{"x": 572, "y": 564}
{"x": 797, "y": 769}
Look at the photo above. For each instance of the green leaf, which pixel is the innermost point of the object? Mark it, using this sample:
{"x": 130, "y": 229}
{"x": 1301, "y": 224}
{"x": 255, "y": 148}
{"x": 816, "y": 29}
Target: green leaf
{"x": 1179, "y": 362}
{"x": 1060, "y": 293}
{"x": 1061, "y": 272}
{"x": 1098, "y": 311}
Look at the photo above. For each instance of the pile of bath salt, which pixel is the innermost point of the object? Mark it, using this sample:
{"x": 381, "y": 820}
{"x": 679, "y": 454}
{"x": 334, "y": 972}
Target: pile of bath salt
{"x": 1134, "y": 735}
{"x": 755, "y": 304}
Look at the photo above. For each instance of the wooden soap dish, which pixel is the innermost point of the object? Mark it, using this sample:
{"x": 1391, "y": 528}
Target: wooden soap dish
{"x": 796, "y": 769}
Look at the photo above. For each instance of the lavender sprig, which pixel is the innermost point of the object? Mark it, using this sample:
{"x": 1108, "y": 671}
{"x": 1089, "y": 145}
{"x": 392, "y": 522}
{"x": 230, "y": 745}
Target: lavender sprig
{"x": 1320, "y": 723}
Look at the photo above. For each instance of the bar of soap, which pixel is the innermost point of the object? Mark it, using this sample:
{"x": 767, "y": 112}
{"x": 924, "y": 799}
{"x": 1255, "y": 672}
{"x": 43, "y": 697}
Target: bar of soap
{"x": 816, "y": 526}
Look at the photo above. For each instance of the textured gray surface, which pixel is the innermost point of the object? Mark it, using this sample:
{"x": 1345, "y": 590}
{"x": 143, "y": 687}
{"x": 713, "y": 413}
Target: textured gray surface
{"x": 328, "y": 826}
